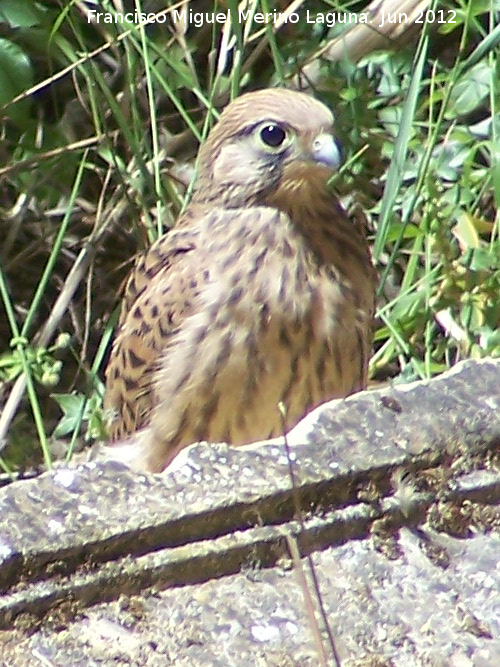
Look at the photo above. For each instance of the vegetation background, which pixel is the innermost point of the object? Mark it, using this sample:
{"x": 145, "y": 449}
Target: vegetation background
{"x": 100, "y": 123}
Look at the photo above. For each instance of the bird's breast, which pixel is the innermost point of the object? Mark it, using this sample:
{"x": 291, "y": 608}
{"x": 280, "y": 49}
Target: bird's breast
{"x": 274, "y": 323}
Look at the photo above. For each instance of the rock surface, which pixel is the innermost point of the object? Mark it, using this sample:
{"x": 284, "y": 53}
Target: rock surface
{"x": 395, "y": 498}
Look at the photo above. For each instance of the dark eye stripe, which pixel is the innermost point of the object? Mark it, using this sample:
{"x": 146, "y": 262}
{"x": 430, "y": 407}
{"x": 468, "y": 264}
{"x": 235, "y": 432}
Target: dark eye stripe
{"x": 251, "y": 129}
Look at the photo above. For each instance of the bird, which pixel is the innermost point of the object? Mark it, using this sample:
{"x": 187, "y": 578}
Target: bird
{"x": 257, "y": 306}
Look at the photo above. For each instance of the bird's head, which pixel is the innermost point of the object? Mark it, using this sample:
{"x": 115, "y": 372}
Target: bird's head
{"x": 259, "y": 135}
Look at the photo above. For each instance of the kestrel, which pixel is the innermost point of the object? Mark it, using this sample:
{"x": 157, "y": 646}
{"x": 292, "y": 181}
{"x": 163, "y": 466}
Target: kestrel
{"x": 263, "y": 293}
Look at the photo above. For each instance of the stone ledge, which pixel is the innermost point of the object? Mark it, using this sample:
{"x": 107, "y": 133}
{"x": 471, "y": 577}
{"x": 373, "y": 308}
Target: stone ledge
{"x": 95, "y": 532}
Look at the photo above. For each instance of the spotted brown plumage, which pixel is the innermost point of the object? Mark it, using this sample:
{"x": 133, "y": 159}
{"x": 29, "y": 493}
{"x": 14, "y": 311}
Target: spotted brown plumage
{"x": 263, "y": 292}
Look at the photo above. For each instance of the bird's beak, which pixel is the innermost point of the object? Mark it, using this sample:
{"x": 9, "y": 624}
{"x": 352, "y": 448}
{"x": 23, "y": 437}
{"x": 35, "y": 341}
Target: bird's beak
{"x": 325, "y": 149}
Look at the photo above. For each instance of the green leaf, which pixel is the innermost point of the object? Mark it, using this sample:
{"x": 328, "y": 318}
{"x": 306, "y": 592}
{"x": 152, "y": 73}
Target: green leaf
{"x": 20, "y": 13}
{"x": 482, "y": 259}
{"x": 465, "y": 231}
{"x": 396, "y": 230}
{"x": 16, "y": 75}
{"x": 471, "y": 90}
{"x": 71, "y": 405}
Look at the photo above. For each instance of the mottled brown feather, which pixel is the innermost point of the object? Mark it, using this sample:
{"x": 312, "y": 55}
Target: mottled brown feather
{"x": 263, "y": 293}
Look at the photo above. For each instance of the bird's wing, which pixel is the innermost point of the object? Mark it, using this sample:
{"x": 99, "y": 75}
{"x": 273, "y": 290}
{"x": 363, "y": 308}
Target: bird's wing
{"x": 159, "y": 295}
{"x": 159, "y": 256}
{"x": 162, "y": 291}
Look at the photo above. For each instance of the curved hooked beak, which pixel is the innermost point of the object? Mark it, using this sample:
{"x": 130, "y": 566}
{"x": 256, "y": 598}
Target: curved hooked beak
{"x": 324, "y": 149}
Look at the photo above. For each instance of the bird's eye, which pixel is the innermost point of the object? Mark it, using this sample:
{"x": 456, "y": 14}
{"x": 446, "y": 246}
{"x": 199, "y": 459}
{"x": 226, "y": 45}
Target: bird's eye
{"x": 273, "y": 135}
